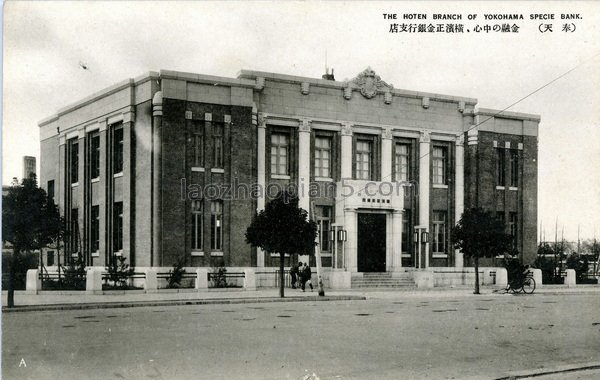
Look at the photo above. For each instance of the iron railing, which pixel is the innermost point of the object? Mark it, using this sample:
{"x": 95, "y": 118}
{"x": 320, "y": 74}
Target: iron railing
{"x": 188, "y": 280}
{"x": 225, "y": 280}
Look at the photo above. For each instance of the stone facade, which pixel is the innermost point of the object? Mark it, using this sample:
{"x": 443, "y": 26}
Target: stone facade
{"x": 188, "y": 148}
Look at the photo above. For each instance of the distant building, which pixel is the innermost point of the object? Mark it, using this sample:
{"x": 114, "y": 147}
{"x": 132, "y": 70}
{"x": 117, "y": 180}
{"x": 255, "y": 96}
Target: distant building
{"x": 29, "y": 166}
{"x": 121, "y": 164}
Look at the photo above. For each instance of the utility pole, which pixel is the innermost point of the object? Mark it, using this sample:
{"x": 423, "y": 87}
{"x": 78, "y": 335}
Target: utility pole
{"x": 317, "y": 253}
{"x": 578, "y": 239}
{"x": 556, "y": 254}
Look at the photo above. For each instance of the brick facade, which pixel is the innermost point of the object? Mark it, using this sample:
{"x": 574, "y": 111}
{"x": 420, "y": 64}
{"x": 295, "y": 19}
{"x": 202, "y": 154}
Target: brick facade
{"x": 163, "y": 186}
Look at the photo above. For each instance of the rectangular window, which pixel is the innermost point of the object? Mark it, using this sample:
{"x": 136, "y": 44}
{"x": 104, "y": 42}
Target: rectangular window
{"x": 216, "y": 225}
{"x": 198, "y": 149}
{"x": 94, "y": 155}
{"x": 500, "y": 216}
{"x": 439, "y": 232}
{"x": 401, "y": 162}
{"x": 512, "y": 226}
{"x": 51, "y": 189}
{"x": 118, "y": 149}
{"x": 406, "y": 233}
{"x": 439, "y": 165}
{"x": 73, "y": 160}
{"x": 74, "y": 230}
{"x": 279, "y": 153}
{"x": 500, "y": 167}
{"x": 323, "y": 157}
{"x": 95, "y": 229}
{"x": 514, "y": 168}
{"x": 218, "y": 145}
{"x": 197, "y": 213}
{"x": 117, "y": 226}
{"x": 363, "y": 159}
{"x": 324, "y": 226}
{"x": 50, "y": 258}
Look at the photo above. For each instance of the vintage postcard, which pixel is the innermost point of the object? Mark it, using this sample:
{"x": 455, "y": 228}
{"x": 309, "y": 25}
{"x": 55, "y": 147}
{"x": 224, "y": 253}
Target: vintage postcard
{"x": 300, "y": 190}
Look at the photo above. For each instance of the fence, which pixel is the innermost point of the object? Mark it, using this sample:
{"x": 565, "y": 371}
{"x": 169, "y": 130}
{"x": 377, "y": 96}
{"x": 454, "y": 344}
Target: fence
{"x": 123, "y": 282}
{"x": 188, "y": 280}
{"x": 457, "y": 277}
{"x": 287, "y": 278}
{"x": 226, "y": 279}
{"x": 63, "y": 281}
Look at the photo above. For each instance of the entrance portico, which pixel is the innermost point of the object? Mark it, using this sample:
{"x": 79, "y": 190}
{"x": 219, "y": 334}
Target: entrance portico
{"x": 370, "y": 211}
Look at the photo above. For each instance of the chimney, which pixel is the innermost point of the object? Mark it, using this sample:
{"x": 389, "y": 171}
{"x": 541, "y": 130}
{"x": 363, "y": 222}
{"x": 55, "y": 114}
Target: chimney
{"x": 328, "y": 76}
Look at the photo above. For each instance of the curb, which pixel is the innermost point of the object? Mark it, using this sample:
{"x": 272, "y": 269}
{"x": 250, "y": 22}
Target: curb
{"x": 216, "y": 301}
{"x": 551, "y": 371}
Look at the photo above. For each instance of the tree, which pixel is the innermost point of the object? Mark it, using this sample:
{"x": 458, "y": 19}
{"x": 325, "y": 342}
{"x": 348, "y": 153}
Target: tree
{"x": 479, "y": 234}
{"x": 282, "y": 227}
{"x": 30, "y": 222}
{"x": 580, "y": 264}
{"x": 592, "y": 249}
{"x": 547, "y": 262}
{"x": 119, "y": 273}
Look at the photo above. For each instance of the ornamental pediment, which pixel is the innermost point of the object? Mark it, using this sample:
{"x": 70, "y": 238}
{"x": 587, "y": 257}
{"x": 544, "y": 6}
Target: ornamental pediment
{"x": 369, "y": 83}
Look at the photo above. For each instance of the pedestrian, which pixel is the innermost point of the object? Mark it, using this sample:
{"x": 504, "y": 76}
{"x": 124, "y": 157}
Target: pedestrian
{"x": 301, "y": 276}
{"x": 307, "y": 277}
{"x": 294, "y": 275}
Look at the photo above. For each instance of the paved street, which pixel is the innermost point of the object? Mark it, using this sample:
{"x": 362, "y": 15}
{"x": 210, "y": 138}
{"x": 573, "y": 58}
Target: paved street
{"x": 389, "y": 337}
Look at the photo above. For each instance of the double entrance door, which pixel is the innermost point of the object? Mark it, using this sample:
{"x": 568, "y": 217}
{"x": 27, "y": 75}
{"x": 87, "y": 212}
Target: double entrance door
{"x": 371, "y": 242}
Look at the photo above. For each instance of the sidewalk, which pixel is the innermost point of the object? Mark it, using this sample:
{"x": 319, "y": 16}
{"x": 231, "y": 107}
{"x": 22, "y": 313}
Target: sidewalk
{"x": 56, "y": 300}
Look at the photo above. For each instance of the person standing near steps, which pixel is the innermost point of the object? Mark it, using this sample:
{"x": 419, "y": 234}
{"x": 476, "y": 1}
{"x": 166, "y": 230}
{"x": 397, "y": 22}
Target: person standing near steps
{"x": 294, "y": 274}
{"x": 306, "y": 277}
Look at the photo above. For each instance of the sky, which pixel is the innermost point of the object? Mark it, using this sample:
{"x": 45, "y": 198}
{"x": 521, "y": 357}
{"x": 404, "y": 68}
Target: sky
{"x": 45, "y": 42}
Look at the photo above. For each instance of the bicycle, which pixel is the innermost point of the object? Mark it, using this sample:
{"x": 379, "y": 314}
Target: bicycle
{"x": 524, "y": 284}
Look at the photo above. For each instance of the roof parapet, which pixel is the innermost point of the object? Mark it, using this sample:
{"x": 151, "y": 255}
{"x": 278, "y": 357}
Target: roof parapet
{"x": 507, "y": 114}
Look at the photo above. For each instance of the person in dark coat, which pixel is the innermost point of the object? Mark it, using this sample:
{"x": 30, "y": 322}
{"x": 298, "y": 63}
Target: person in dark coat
{"x": 294, "y": 274}
{"x": 306, "y": 277}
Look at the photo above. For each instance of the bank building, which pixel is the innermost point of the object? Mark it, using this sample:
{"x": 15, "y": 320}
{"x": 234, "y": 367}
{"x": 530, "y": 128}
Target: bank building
{"x": 136, "y": 170}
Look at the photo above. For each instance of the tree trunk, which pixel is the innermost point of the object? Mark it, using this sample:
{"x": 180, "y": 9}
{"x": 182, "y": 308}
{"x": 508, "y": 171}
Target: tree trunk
{"x": 476, "y": 275}
{"x": 281, "y": 276}
{"x": 10, "y": 299}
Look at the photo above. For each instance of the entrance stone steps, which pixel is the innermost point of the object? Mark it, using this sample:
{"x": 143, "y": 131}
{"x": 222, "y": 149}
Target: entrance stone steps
{"x": 382, "y": 280}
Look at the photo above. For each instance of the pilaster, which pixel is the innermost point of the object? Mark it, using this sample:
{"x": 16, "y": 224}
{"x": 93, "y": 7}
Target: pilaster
{"x": 386, "y": 155}
{"x": 424, "y": 181}
{"x": 459, "y": 191}
{"x": 304, "y": 129}
{"x": 261, "y": 180}
{"x": 157, "y": 114}
{"x": 397, "y": 240}
{"x": 350, "y": 249}
{"x": 82, "y": 189}
{"x": 346, "y": 154}
{"x": 102, "y": 183}
{"x": 128, "y": 248}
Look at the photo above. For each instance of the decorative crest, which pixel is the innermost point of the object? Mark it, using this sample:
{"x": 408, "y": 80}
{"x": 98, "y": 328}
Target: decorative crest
{"x": 370, "y": 83}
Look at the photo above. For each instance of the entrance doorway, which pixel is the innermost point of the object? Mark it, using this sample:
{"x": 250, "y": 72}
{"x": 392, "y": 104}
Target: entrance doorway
{"x": 371, "y": 242}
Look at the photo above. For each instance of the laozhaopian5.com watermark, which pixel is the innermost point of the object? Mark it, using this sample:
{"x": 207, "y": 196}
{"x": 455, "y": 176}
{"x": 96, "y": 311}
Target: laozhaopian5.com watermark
{"x": 236, "y": 190}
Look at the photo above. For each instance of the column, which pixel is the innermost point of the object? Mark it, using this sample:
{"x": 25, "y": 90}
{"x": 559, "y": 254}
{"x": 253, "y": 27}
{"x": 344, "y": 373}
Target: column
{"x": 472, "y": 183}
{"x": 83, "y": 205}
{"x": 346, "y": 154}
{"x": 397, "y": 240}
{"x": 304, "y": 164}
{"x": 459, "y": 192}
{"x": 100, "y": 261}
{"x": 63, "y": 192}
{"x": 424, "y": 149}
{"x": 350, "y": 248}
{"x": 260, "y": 181}
{"x": 157, "y": 114}
{"x": 128, "y": 205}
{"x": 386, "y": 155}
